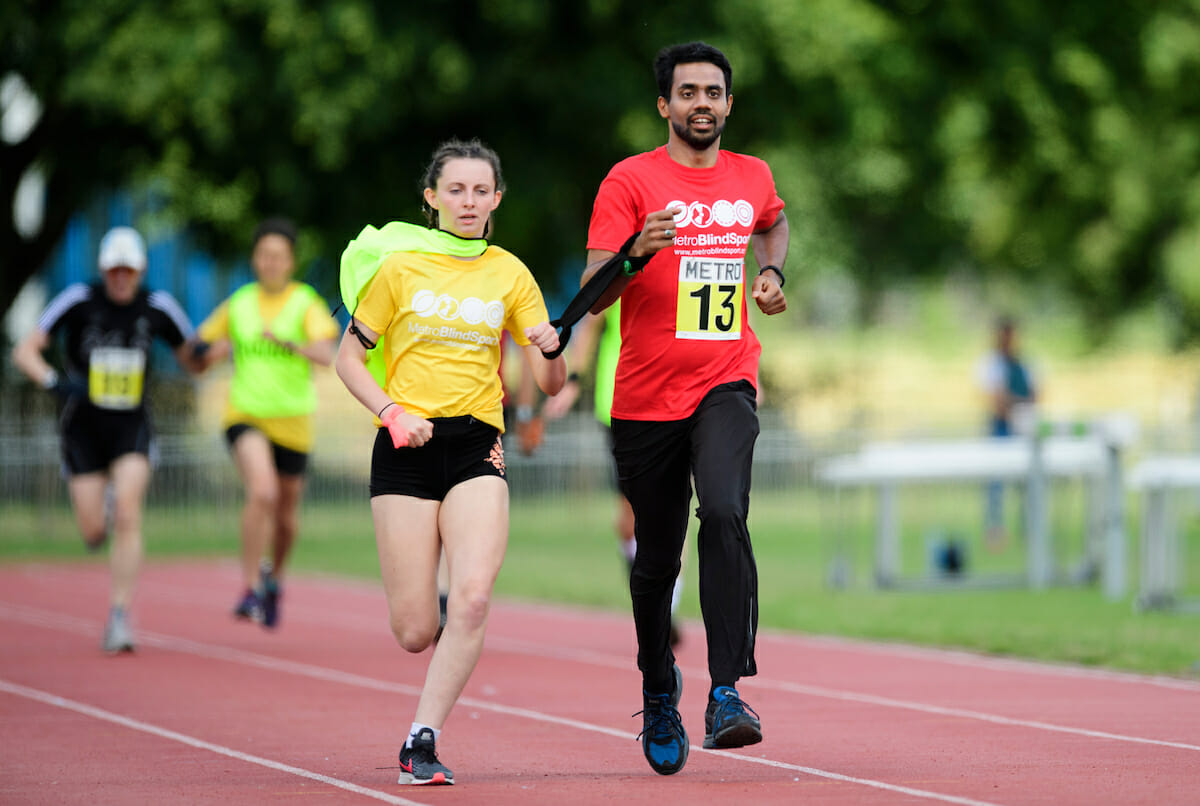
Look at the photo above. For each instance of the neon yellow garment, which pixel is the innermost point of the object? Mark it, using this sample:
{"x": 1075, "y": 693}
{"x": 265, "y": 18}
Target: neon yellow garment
{"x": 607, "y": 353}
{"x": 441, "y": 318}
{"x": 246, "y": 320}
{"x": 365, "y": 254}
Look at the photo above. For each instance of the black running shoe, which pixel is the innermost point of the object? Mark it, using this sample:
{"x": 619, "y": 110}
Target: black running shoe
{"x": 729, "y": 722}
{"x": 419, "y": 764}
{"x": 442, "y": 598}
{"x": 269, "y": 598}
{"x": 249, "y": 608}
{"x": 664, "y": 741}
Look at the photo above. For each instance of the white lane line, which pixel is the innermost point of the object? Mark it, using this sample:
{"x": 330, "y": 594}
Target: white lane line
{"x": 957, "y": 657}
{"x": 600, "y": 659}
{"x": 75, "y": 625}
{"x": 588, "y": 657}
{"x": 16, "y": 689}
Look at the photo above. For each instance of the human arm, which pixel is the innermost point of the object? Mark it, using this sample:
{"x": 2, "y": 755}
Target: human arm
{"x": 658, "y": 233}
{"x": 319, "y": 351}
{"x": 770, "y": 249}
{"x": 583, "y": 350}
{"x": 549, "y": 373}
{"x": 350, "y": 365}
{"x": 195, "y": 355}
{"x": 529, "y": 424}
{"x": 28, "y": 357}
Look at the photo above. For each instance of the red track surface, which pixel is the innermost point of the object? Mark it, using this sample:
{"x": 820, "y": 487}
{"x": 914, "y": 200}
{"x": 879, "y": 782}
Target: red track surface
{"x": 209, "y": 710}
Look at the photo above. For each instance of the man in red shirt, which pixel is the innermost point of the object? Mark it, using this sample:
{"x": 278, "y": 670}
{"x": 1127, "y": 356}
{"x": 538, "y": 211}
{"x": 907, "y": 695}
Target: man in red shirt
{"x": 684, "y": 402}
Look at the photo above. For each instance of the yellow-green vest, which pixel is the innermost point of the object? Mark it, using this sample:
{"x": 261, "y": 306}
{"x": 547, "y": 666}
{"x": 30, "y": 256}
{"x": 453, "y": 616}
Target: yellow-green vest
{"x": 269, "y": 380}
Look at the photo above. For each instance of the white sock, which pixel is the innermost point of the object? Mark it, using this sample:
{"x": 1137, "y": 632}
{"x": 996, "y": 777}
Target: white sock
{"x": 629, "y": 548}
{"x": 416, "y": 728}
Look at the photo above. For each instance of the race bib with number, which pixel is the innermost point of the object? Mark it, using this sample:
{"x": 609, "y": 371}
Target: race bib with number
{"x": 115, "y": 377}
{"x": 709, "y": 307}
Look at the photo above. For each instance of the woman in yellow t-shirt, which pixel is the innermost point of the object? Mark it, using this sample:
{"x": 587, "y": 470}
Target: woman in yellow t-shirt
{"x": 276, "y": 329}
{"x": 437, "y": 470}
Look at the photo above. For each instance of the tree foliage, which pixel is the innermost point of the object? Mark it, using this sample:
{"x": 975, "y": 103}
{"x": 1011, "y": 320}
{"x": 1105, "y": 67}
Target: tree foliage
{"x": 910, "y": 138}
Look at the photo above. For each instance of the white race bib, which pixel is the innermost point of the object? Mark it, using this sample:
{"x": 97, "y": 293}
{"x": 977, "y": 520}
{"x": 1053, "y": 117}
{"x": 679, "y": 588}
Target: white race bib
{"x": 115, "y": 377}
{"x": 709, "y": 305}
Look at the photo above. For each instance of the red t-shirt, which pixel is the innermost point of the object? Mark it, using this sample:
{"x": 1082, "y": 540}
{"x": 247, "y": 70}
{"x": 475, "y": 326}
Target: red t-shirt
{"x": 684, "y": 328}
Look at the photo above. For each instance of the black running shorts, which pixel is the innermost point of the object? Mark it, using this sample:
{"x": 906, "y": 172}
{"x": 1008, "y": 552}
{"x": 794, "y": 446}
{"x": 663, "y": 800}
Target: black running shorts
{"x": 287, "y": 461}
{"x": 462, "y": 448}
{"x": 92, "y": 439}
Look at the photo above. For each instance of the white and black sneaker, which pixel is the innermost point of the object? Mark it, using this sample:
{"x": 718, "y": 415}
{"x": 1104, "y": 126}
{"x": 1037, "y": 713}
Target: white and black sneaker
{"x": 118, "y": 637}
{"x": 419, "y": 764}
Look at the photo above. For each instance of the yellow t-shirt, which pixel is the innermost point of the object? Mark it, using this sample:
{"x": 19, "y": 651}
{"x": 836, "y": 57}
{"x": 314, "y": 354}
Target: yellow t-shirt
{"x": 442, "y": 318}
{"x": 296, "y": 432}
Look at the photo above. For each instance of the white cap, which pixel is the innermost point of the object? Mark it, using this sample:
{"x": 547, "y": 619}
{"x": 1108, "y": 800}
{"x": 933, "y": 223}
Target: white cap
{"x": 122, "y": 246}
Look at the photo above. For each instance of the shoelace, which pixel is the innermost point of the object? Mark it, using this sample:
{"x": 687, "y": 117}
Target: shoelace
{"x": 663, "y": 718}
{"x": 730, "y": 706}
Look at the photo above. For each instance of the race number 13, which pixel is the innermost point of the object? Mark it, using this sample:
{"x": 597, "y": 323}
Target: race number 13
{"x": 709, "y": 306}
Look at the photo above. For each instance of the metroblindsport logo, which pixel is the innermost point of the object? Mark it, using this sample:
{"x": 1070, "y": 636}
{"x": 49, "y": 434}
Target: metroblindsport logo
{"x": 721, "y": 213}
{"x": 471, "y": 310}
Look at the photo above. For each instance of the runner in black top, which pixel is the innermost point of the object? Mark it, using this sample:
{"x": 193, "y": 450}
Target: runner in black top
{"x": 108, "y": 328}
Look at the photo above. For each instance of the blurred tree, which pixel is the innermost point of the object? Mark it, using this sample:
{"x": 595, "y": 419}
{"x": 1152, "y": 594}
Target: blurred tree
{"x": 910, "y": 138}
{"x": 327, "y": 111}
{"x": 1049, "y": 141}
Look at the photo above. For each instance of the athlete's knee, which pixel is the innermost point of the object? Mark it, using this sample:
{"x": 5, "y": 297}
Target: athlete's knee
{"x": 725, "y": 513}
{"x": 652, "y": 574}
{"x": 413, "y": 635}
{"x": 470, "y": 603}
{"x": 262, "y": 494}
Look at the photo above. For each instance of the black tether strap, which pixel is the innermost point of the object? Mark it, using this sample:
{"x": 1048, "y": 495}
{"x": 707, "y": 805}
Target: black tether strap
{"x": 579, "y": 306}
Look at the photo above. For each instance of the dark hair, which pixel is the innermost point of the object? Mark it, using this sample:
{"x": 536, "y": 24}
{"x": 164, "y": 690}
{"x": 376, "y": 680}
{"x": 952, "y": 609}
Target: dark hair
{"x": 471, "y": 149}
{"x": 276, "y": 225}
{"x": 688, "y": 53}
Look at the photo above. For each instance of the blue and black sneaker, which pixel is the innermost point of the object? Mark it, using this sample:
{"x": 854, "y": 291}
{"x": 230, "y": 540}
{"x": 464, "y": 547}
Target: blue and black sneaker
{"x": 729, "y": 722}
{"x": 249, "y": 607}
{"x": 269, "y": 598}
{"x": 664, "y": 741}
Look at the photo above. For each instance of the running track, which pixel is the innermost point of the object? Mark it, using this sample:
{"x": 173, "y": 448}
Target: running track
{"x": 213, "y": 711}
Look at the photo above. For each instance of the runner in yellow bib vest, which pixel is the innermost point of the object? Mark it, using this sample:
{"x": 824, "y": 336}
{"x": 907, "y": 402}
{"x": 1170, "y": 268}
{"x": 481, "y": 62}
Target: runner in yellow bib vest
{"x": 275, "y": 329}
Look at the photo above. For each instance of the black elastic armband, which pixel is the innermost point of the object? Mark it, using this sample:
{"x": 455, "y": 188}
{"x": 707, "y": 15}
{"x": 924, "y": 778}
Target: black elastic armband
{"x": 358, "y": 334}
{"x": 778, "y": 271}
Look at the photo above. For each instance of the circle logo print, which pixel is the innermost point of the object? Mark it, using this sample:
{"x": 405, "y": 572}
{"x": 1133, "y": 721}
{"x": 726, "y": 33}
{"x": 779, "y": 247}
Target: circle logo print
{"x": 700, "y": 214}
{"x": 723, "y": 212}
{"x": 494, "y": 313}
{"x": 423, "y": 303}
{"x": 744, "y": 211}
{"x": 683, "y": 213}
{"x": 472, "y": 310}
{"x": 447, "y": 307}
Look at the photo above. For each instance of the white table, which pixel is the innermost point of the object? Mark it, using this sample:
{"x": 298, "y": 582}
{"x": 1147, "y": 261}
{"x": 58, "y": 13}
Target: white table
{"x": 1032, "y": 461}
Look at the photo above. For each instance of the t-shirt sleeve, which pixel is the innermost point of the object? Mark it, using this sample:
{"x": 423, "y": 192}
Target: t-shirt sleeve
{"x": 773, "y": 206}
{"x": 528, "y": 307}
{"x": 175, "y": 328}
{"x": 216, "y": 326}
{"x": 319, "y": 323}
{"x": 59, "y": 309}
{"x": 614, "y": 215}
{"x": 376, "y": 302}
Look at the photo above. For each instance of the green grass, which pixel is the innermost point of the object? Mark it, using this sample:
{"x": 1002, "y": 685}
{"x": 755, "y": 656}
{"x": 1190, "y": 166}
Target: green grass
{"x": 563, "y": 550}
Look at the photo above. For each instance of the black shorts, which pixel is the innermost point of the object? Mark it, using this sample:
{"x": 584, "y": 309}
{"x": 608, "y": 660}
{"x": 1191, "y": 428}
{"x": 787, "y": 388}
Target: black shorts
{"x": 287, "y": 461}
{"x": 462, "y": 448}
{"x": 92, "y": 438}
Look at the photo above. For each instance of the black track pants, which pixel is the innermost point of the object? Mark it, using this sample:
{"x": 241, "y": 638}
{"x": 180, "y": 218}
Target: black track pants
{"x": 656, "y": 465}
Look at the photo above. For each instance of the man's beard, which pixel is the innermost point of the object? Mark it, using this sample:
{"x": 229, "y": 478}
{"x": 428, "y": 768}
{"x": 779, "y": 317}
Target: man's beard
{"x": 698, "y": 141}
